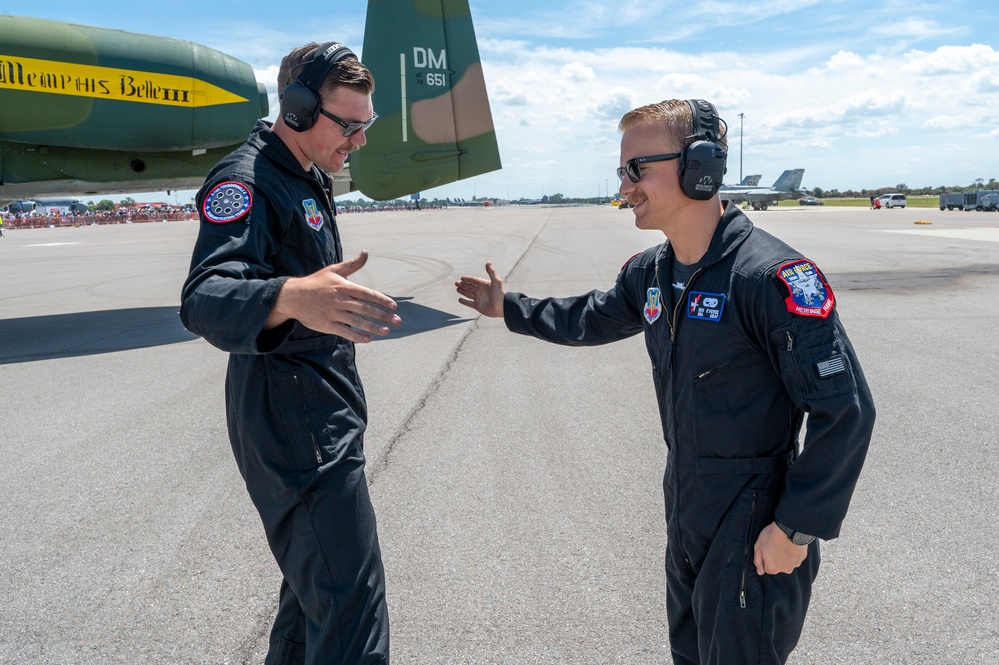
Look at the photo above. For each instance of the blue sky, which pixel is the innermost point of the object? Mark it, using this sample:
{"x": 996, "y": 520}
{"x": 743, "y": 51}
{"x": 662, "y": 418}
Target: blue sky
{"x": 859, "y": 94}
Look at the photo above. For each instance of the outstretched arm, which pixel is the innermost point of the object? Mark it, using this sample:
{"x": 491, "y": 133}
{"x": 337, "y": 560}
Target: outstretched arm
{"x": 483, "y": 295}
{"x": 327, "y": 302}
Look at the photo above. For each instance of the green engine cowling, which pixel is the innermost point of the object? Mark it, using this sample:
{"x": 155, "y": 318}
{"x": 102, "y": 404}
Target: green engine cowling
{"x": 94, "y": 88}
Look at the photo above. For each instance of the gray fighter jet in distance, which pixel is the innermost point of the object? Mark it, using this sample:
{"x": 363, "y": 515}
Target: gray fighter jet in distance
{"x": 786, "y": 187}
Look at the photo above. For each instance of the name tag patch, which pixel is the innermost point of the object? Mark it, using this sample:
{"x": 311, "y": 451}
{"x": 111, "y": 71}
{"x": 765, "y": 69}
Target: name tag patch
{"x": 705, "y": 306}
{"x": 313, "y": 217}
{"x": 653, "y": 305}
{"x": 809, "y": 294}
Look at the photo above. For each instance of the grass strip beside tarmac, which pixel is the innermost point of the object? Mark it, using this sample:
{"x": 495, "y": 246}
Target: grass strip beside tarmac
{"x": 927, "y": 201}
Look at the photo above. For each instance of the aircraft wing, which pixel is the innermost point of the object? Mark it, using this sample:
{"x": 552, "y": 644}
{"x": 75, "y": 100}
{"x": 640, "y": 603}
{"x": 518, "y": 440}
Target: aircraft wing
{"x": 434, "y": 124}
{"x": 786, "y": 187}
{"x": 751, "y": 195}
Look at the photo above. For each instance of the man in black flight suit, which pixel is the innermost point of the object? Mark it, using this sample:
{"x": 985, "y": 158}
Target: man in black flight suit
{"x": 744, "y": 340}
{"x": 268, "y": 283}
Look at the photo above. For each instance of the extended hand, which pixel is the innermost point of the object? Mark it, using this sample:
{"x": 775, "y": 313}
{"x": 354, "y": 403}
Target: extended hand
{"x": 483, "y": 295}
{"x": 327, "y": 302}
{"x": 775, "y": 553}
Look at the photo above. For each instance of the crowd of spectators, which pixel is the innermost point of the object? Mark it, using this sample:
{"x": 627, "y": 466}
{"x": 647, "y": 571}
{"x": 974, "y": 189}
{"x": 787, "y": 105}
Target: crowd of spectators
{"x": 382, "y": 207}
{"x": 38, "y": 220}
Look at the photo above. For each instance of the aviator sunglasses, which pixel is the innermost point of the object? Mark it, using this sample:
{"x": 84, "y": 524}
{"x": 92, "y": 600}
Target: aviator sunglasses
{"x": 349, "y": 128}
{"x": 633, "y": 167}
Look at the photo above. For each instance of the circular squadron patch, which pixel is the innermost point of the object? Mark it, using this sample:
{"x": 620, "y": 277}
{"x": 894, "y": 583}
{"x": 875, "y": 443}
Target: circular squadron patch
{"x": 227, "y": 202}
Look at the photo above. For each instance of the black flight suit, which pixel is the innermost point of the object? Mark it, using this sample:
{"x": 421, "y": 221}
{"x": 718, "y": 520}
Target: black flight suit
{"x": 294, "y": 402}
{"x": 753, "y": 345}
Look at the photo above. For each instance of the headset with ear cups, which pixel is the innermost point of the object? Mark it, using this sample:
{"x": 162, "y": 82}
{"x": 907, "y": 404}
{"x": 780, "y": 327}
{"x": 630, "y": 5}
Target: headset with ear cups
{"x": 702, "y": 163}
{"x": 300, "y": 101}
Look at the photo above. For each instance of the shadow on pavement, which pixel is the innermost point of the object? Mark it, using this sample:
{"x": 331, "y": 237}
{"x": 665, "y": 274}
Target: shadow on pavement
{"x": 418, "y": 319}
{"x": 89, "y": 333}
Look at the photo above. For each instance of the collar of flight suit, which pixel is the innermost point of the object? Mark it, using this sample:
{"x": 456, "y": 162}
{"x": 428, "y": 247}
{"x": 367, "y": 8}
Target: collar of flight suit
{"x": 271, "y": 146}
{"x": 732, "y": 230}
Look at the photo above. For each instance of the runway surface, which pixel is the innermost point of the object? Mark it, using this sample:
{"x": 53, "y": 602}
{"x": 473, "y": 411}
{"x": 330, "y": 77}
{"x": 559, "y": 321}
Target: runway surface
{"x": 517, "y": 484}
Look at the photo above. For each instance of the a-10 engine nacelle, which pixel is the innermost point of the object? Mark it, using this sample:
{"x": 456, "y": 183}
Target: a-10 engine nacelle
{"x": 83, "y": 87}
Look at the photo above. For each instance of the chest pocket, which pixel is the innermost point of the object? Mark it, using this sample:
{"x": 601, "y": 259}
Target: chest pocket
{"x": 815, "y": 359}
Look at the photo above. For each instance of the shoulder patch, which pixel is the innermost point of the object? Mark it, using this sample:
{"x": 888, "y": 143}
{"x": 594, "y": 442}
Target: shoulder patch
{"x": 227, "y": 202}
{"x": 808, "y": 292}
{"x": 625, "y": 264}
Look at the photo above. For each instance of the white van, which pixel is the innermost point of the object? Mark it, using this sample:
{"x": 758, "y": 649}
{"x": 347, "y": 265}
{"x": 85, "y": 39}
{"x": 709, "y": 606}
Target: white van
{"x": 892, "y": 201}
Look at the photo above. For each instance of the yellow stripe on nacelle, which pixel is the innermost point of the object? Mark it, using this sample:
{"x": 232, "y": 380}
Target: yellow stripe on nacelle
{"x": 69, "y": 78}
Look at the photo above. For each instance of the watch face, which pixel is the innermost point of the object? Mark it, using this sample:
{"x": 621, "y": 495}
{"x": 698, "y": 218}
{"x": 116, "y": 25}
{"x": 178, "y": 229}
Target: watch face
{"x": 802, "y": 539}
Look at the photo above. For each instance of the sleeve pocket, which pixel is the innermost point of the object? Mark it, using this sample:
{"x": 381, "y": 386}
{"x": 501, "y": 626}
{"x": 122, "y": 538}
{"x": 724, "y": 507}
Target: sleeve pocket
{"x": 815, "y": 361}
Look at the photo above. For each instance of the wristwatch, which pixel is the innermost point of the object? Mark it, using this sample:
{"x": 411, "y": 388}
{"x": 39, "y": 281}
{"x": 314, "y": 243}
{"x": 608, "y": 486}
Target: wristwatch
{"x": 795, "y": 537}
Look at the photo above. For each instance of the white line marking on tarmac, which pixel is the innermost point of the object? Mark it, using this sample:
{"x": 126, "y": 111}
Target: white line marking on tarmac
{"x": 988, "y": 234}
{"x": 53, "y": 244}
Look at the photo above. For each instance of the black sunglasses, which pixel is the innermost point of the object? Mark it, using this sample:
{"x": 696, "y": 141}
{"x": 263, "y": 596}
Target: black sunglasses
{"x": 349, "y": 128}
{"x": 633, "y": 167}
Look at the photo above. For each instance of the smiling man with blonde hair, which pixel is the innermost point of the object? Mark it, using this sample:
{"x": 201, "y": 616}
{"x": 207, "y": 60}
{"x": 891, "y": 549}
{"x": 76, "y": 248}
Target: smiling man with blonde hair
{"x": 744, "y": 340}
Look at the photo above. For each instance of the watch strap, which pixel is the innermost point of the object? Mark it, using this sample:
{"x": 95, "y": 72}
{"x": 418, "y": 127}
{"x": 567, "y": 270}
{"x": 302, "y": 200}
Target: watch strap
{"x": 795, "y": 537}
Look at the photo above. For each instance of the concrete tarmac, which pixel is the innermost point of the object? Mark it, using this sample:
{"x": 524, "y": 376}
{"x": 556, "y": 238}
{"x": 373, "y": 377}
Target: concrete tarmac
{"x": 517, "y": 484}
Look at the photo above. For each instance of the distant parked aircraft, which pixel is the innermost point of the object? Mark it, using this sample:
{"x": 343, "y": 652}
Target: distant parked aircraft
{"x": 786, "y": 187}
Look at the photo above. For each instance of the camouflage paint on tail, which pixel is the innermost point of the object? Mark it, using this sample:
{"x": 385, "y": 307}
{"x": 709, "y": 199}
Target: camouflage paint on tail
{"x": 434, "y": 125}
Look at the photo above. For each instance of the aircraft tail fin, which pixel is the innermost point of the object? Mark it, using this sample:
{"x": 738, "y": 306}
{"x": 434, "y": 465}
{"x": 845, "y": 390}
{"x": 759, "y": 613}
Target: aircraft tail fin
{"x": 790, "y": 180}
{"x": 751, "y": 181}
{"x": 435, "y": 125}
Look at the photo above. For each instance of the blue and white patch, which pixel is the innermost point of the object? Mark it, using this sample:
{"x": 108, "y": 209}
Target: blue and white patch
{"x": 653, "y": 305}
{"x": 227, "y": 202}
{"x": 313, "y": 217}
{"x": 831, "y": 367}
{"x": 705, "y": 306}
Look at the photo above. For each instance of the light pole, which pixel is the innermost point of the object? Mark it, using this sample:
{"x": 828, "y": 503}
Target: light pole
{"x": 741, "y": 116}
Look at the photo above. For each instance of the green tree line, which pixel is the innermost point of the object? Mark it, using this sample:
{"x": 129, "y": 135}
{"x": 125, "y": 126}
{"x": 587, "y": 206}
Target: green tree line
{"x": 979, "y": 183}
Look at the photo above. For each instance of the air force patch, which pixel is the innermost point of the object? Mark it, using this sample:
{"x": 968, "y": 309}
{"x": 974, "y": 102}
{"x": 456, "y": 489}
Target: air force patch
{"x": 705, "y": 306}
{"x": 312, "y": 215}
{"x": 653, "y": 305}
{"x": 810, "y": 295}
{"x": 227, "y": 202}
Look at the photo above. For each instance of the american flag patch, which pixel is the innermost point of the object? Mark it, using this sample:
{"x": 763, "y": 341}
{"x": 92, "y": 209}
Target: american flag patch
{"x": 834, "y": 365}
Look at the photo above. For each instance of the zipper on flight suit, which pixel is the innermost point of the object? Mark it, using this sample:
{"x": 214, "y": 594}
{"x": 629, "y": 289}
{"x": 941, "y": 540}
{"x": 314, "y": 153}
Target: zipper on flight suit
{"x": 312, "y": 435}
{"x": 669, "y": 365}
{"x": 331, "y": 206}
{"x": 674, "y": 322}
{"x": 745, "y": 555}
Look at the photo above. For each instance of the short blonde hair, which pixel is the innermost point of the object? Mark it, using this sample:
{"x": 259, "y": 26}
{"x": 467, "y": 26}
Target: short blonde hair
{"x": 675, "y": 119}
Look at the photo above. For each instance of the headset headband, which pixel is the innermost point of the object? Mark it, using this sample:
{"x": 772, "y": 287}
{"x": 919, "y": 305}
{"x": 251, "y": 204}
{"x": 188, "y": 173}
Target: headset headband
{"x": 705, "y": 120}
{"x": 315, "y": 69}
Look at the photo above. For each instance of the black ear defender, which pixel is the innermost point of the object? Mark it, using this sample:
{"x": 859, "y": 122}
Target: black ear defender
{"x": 702, "y": 163}
{"x": 300, "y": 101}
